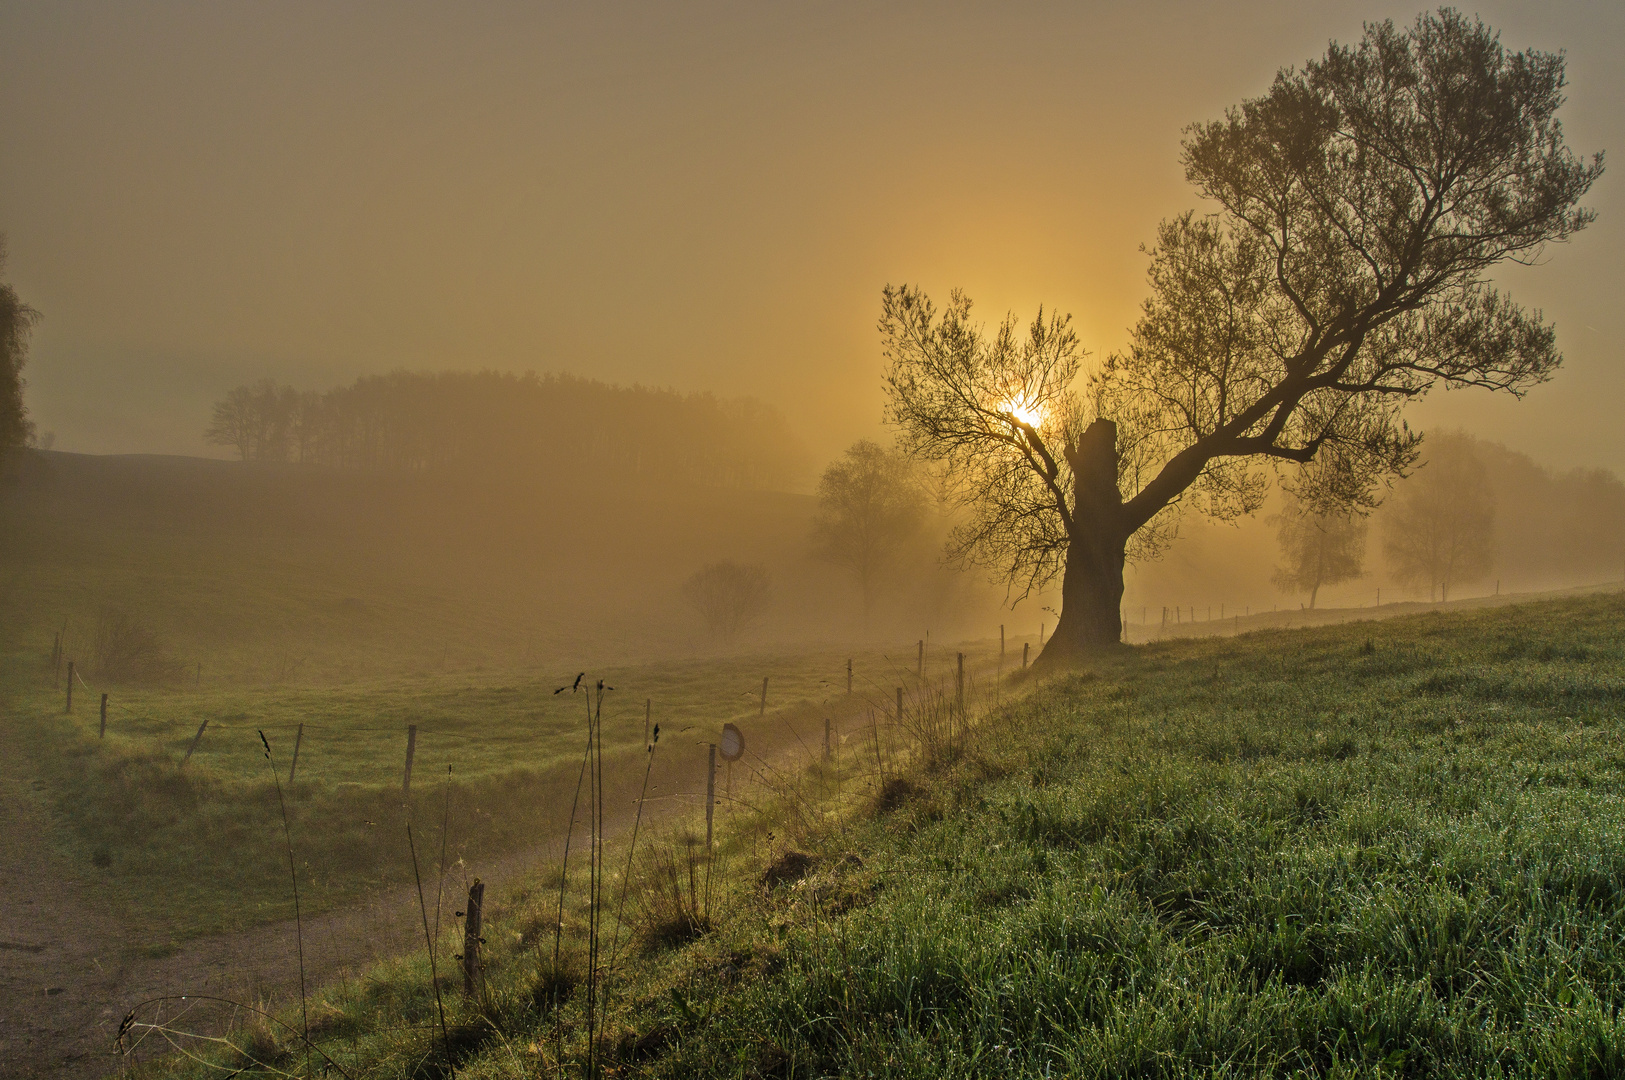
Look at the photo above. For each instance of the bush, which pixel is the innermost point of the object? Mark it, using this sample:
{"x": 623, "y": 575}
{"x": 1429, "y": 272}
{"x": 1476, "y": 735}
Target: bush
{"x": 128, "y": 651}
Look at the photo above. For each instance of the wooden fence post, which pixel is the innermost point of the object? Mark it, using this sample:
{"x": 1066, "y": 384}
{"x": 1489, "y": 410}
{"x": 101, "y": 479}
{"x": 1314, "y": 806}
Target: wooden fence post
{"x": 829, "y": 740}
{"x": 1026, "y": 646}
{"x": 849, "y": 676}
{"x": 411, "y": 748}
{"x": 190, "y": 750}
{"x": 1040, "y": 635}
{"x": 919, "y": 671}
{"x": 103, "y": 732}
{"x": 648, "y": 711}
{"x": 1001, "y": 643}
{"x": 473, "y": 924}
{"x": 298, "y": 737}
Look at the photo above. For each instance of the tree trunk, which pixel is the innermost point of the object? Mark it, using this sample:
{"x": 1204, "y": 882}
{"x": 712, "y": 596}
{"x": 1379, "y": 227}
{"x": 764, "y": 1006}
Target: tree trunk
{"x": 1092, "y": 586}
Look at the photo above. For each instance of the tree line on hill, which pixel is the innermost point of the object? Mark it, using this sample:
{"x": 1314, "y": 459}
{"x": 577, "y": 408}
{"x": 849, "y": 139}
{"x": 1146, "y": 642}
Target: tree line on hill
{"x": 426, "y": 422}
{"x": 1470, "y": 513}
{"x": 1473, "y": 511}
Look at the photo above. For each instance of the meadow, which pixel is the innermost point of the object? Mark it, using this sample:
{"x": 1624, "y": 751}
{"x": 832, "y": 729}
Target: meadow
{"x": 358, "y": 606}
{"x": 1376, "y": 849}
{"x": 190, "y": 840}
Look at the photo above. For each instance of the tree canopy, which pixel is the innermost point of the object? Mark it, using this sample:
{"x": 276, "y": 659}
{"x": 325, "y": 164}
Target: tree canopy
{"x": 17, "y": 319}
{"x": 1439, "y": 529}
{"x": 1359, "y": 207}
{"x": 1318, "y": 548}
{"x": 870, "y": 504}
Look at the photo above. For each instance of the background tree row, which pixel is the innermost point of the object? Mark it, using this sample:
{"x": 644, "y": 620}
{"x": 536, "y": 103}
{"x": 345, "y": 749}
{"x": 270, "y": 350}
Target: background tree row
{"x": 428, "y": 422}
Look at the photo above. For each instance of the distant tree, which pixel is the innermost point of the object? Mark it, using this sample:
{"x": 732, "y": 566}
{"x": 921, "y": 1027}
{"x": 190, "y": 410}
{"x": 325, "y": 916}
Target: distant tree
{"x": 870, "y": 505}
{"x": 1318, "y": 547}
{"x": 1362, "y": 205}
{"x": 1439, "y": 527}
{"x": 232, "y": 422}
{"x": 16, "y": 320}
{"x": 728, "y": 596}
{"x": 306, "y": 424}
{"x": 256, "y": 421}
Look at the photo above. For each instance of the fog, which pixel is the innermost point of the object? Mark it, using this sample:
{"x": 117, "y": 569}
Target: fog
{"x": 708, "y": 201}
{"x": 423, "y": 386}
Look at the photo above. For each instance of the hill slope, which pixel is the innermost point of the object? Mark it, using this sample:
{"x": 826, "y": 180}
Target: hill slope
{"x": 1390, "y": 848}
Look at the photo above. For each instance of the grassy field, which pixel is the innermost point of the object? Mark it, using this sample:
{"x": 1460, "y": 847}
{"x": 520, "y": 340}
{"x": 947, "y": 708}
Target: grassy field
{"x": 1382, "y": 849}
{"x": 195, "y": 845}
{"x": 358, "y": 605}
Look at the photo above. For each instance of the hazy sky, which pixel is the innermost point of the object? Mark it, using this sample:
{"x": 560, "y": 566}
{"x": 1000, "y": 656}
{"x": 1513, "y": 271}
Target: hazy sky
{"x": 706, "y": 196}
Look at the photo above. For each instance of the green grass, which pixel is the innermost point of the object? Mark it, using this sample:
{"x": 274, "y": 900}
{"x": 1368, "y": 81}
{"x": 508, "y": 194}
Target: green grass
{"x": 196, "y": 846}
{"x": 1385, "y": 849}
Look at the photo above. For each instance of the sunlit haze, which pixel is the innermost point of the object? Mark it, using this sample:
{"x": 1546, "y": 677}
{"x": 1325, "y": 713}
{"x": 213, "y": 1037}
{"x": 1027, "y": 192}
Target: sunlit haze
{"x": 703, "y": 539}
{"x": 700, "y": 196}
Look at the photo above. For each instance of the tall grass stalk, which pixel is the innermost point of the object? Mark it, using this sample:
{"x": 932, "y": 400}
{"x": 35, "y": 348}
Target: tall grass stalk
{"x": 445, "y": 823}
{"x": 595, "y": 891}
{"x": 293, "y": 874}
{"x": 632, "y": 850}
{"x": 434, "y": 973}
{"x": 569, "y": 835}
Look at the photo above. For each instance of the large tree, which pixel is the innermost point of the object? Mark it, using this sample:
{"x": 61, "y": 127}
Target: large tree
{"x": 16, "y": 320}
{"x": 870, "y": 505}
{"x": 1360, "y": 207}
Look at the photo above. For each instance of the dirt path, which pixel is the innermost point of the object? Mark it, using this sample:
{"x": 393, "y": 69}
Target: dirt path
{"x": 59, "y": 957}
{"x": 70, "y": 969}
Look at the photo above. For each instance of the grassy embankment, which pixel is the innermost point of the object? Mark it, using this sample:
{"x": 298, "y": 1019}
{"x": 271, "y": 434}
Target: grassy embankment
{"x": 1375, "y": 849}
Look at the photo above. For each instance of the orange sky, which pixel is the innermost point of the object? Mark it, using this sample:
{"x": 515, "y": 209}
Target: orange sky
{"x": 701, "y": 196}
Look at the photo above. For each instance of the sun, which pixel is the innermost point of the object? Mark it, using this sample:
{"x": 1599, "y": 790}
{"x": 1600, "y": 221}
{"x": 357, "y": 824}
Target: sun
{"x": 1025, "y": 413}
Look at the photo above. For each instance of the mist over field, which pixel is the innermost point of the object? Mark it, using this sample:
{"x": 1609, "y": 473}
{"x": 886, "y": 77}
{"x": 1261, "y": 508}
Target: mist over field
{"x": 713, "y": 540}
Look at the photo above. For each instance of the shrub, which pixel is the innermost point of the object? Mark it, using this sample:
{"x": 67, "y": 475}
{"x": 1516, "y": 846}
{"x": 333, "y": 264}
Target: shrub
{"x": 128, "y": 651}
